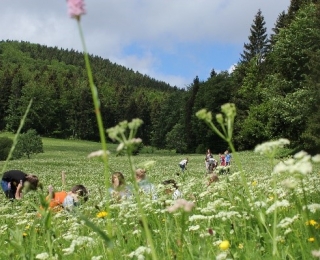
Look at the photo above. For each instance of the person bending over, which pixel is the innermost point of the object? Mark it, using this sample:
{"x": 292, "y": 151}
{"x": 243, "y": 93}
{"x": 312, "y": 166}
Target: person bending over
{"x": 14, "y": 181}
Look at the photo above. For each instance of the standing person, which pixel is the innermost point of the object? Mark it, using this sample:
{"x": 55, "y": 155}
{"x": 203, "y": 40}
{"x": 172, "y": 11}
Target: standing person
{"x": 144, "y": 185}
{"x": 228, "y": 157}
{"x": 222, "y": 159}
{"x": 212, "y": 164}
{"x": 14, "y": 181}
{"x": 183, "y": 164}
{"x": 119, "y": 190}
{"x": 207, "y": 159}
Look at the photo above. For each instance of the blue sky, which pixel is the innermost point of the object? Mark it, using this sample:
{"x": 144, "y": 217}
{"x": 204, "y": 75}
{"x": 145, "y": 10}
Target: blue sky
{"x": 169, "y": 40}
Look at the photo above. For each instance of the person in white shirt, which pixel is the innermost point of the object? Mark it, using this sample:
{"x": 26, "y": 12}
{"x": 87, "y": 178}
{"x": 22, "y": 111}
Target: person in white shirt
{"x": 183, "y": 164}
{"x": 171, "y": 187}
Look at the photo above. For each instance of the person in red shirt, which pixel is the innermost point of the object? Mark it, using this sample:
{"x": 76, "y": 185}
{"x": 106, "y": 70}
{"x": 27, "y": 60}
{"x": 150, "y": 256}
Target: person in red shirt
{"x": 222, "y": 159}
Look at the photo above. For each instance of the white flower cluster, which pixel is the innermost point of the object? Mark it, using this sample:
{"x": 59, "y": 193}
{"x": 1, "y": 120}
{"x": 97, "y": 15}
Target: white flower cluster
{"x": 287, "y": 221}
{"x": 44, "y": 255}
{"x": 278, "y": 204}
{"x": 193, "y": 228}
{"x": 139, "y": 252}
{"x": 312, "y": 207}
{"x": 301, "y": 163}
{"x": 197, "y": 217}
{"x": 270, "y": 147}
{"x": 79, "y": 241}
{"x": 224, "y": 215}
{"x": 99, "y": 257}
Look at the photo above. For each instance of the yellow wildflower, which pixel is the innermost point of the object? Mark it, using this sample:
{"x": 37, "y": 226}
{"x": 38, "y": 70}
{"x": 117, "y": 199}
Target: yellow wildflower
{"x": 312, "y": 222}
{"x": 311, "y": 239}
{"x": 102, "y": 214}
{"x": 224, "y": 245}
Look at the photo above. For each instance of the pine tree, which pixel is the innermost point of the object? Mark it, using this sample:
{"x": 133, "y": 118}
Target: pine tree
{"x": 280, "y": 23}
{"x": 294, "y": 7}
{"x": 258, "y": 41}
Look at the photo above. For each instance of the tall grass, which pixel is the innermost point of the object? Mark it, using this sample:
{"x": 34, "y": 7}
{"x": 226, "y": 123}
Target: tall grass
{"x": 220, "y": 213}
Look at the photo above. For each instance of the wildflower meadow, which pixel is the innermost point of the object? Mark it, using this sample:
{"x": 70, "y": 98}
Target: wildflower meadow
{"x": 278, "y": 219}
{"x": 265, "y": 206}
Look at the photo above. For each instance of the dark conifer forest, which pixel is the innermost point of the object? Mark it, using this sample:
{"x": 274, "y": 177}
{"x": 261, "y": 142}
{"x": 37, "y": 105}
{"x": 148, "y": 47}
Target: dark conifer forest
{"x": 275, "y": 87}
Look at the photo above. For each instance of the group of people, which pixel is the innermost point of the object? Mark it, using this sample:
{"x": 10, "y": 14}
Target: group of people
{"x": 211, "y": 163}
{"x": 120, "y": 190}
{"x": 15, "y": 183}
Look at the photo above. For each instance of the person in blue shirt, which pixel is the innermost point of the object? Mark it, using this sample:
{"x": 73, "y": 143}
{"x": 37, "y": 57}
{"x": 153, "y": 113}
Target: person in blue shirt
{"x": 227, "y": 157}
{"x": 144, "y": 185}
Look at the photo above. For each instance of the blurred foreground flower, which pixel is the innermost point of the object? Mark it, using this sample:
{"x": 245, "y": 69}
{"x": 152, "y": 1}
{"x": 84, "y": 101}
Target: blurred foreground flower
{"x": 300, "y": 163}
{"x": 139, "y": 252}
{"x": 311, "y": 222}
{"x": 76, "y": 8}
{"x": 99, "y": 153}
{"x": 102, "y": 214}
{"x": 224, "y": 245}
{"x": 316, "y": 253}
{"x": 44, "y": 255}
{"x": 181, "y": 203}
{"x": 270, "y": 148}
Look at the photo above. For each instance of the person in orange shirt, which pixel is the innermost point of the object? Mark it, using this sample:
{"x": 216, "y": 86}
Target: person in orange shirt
{"x": 66, "y": 200}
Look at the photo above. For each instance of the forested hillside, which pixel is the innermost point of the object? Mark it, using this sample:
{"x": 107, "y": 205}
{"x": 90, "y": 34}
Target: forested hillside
{"x": 275, "y": 87}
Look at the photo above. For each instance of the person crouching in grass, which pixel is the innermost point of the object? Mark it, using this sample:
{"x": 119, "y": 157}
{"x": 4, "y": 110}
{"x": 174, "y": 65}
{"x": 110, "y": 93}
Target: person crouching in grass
{"x": 14, "y": 181}
{"x": 213, "y": 178}
{"x": 171, "y": 188}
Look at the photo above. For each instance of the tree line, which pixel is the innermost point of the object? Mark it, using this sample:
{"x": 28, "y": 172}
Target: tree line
{"x": 274, "y": 87}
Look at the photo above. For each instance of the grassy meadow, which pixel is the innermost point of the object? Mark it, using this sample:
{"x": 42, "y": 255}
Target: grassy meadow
{"x": 255, "y": 214}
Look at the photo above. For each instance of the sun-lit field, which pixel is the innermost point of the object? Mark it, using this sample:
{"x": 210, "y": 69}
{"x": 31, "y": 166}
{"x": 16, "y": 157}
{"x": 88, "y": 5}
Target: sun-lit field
{"x": 254, "y": 215}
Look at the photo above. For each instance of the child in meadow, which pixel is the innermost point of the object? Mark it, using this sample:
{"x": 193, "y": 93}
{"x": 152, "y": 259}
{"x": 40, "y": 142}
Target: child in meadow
{"x": 207, "y": 158}
{"x": 119, "y": 190}
{"x": 222, "y": 159}
{"x": 212, "y": 164}
{"x": 171, "y": 187}
{"x": 213, "y": 178}
{"x": 145, "y": 186}
{"x": 67, "y": 200}
{"x": 228, "y": 157}
{"x": 14, "y": 181}
{"x": 183, "y": 164}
